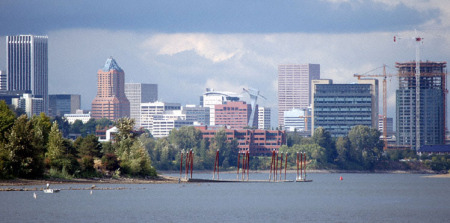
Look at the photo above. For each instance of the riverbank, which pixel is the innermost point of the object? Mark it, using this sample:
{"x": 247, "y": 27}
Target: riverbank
{"x": 24, "y": 182}
{"x": 163, "y": 178}
{"x": 447, "y": 175}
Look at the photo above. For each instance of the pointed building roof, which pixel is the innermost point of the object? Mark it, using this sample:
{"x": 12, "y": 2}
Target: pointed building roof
{"x": 111, "y": 64}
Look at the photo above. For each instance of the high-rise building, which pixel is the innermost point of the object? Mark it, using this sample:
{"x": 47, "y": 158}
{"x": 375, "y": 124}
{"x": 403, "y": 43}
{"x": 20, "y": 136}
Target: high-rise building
{"x": 234, "y": 114}
{"x": 151, "y": 109}
{"x": 389, "y": 125}
{"x": 264, "y": 114}
{"x": 429, "y": 124}
{"x": 163, "y": 124}
{"x": 297, "y": 120}
{"x": 110, "y": 102}
{"x": 3, "y": 82}
{"x": 212, "y": 98}
{"x": 27, "y": 66}
{"x": 61, "y": 104}
{"x": 138, "y": 93}
{"x": 294, "y": 87}
{"x": 196, "y": 114}
{"x": 31, "y": 106}
{"x": 339, "y": 107}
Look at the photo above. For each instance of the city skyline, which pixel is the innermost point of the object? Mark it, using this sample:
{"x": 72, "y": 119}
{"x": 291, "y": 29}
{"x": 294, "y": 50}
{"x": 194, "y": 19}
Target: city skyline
{"x": 227, "y": 48}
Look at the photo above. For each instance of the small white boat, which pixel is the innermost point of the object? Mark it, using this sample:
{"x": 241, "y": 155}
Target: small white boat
{"x": 51, "y": 191}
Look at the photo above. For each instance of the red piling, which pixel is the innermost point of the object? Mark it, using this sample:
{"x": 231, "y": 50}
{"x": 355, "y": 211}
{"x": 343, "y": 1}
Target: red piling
{"x": 181, "y": 163}
{"x": 301, "y": 165}
{"x": 281, "y": 166}
{"x": 239, "y": 158}
{"x": 297, "y": 162}
{"x": 192, "y": 162}
{"x": 186, "y": 164}
{"x": 276, "y": 169}
{"x": 285, "y": 166}
{"x": 248, "y": 164}
{"x": 304, "y": 165}
{"x": 216, "y": 164}
{"x": 243, "y": 167}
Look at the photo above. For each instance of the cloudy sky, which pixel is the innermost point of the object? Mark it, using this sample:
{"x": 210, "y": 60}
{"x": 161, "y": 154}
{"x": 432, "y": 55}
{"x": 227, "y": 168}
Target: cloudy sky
{"x": 187, "y": 46}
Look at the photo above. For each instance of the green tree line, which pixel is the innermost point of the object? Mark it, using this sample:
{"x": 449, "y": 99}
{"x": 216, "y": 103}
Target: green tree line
{"x": 38, "y": 147}
{"x": 35, "y": 147}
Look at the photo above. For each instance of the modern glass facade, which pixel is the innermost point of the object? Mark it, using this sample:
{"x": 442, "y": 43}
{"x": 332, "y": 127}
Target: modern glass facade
{"x": 61, "y": 104}
{"x": 27, "y": 66}
{"x": 431, "y": 128}
{"x": 339, "y": 107}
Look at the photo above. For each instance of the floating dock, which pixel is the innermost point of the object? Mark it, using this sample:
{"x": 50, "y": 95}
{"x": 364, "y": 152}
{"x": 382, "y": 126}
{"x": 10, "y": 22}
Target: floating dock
{"x": 194, "y": 180}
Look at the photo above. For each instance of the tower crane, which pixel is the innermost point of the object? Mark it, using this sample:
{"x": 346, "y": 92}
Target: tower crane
{"x": 418, "y": 41}
{"x": 306, "y": 117}
{"x": 384, "y": 76}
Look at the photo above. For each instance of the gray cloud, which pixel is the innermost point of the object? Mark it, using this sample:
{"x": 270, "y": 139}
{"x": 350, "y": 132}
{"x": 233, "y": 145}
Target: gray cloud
{"x": 266, "y": 16}
{"x": 183, "y": 71}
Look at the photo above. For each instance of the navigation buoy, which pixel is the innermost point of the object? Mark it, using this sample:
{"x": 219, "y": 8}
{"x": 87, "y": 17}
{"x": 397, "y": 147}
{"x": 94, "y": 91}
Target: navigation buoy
{"x": 340, "y": 178}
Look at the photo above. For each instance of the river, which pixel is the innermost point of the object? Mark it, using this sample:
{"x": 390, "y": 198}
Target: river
{"x": 356, "y": 198}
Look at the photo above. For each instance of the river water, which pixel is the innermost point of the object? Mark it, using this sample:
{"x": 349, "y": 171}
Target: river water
{"x": 357, "y": 198}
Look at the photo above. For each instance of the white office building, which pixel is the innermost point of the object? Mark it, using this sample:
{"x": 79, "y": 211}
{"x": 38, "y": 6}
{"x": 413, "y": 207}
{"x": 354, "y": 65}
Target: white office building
{"x": 31, "y": 105}
{"x": 138, "y": 93}
{"x": 196, "y": 114}
{"x": 149, "y": 110}
{"x": 264, "y": 118}
{"x": 81, "y": 115}
{"x": 297, "y": 120}
{"x": 163, "y": 124}
{"x": 212, "y": 98}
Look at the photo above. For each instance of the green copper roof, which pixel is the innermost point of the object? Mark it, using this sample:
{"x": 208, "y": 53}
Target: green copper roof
{"x": 111, "y": 64}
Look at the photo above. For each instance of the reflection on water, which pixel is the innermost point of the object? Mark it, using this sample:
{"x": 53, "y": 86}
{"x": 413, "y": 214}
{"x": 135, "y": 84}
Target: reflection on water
{"x": 357, "y": 198}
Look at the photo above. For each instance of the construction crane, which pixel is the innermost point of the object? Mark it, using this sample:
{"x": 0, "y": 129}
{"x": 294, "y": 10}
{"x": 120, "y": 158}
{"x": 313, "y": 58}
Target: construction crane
{"x": 384, "y": 76}
{"x": 306, "y": 117}
{"x": 418, "y": 40}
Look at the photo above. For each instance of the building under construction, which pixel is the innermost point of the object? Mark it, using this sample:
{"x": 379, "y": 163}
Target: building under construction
{"x": 424, "y": 97}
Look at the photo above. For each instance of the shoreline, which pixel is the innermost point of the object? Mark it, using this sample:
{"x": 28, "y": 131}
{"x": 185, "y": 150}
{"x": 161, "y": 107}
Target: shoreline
{"x": 30, "y": 182}
{"x": 163, "y": 177}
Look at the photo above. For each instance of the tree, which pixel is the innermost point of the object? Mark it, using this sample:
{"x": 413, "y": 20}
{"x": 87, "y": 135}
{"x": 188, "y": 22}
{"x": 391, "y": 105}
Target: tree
{"x": 141, "y": 164}
{"x": 134, "y": 158}
{"x": 25, "y": 155}
{"x": 366, "y": 146}
{"x": 343, "y": 147}
{"x": 125, "y": 129}
{"x": 76, "y": 127}
{"x": 42, "y": 125}
{"x": 89, "y": 128}
{"x": 60, "y": 154}
{"x": 323, "y": 138}
{"x": 187, "y": 137}
{"x": 89, "y": 146}
{"x": 64, "y": 126}
{"x": 7, "y": 118}
{"x": 293, "y": 138}
{"x": 102, "y": 123}
{"x": 56, "y": 150}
